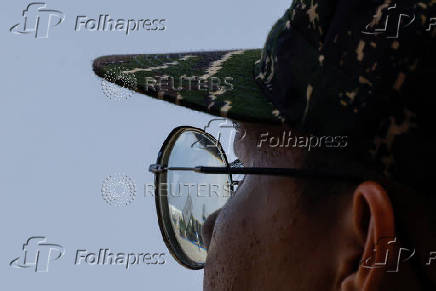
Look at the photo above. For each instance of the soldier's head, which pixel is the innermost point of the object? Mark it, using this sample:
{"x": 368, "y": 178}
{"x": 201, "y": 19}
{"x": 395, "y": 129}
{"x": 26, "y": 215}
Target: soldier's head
{"x": 332, "y": 82}
{"x": 336, "y": 114}
{"x": 318, "y": 233}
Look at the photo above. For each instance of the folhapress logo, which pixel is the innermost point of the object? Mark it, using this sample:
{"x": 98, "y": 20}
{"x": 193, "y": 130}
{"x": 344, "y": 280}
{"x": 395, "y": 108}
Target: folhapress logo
{"x": 389, "y": 20}
{"x": 38, "y": 20}
{"x": 38, "y": 254}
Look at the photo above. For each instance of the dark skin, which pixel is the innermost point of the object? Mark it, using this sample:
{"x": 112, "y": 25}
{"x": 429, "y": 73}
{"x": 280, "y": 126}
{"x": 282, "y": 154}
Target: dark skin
{"x": 264, "y": 238}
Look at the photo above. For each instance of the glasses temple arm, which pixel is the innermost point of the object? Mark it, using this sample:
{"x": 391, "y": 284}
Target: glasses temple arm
{"x": 293, "y": 172}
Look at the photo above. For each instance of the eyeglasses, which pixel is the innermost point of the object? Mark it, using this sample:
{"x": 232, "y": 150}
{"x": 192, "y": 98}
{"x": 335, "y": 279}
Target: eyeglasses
{"x": 193, "y": 179}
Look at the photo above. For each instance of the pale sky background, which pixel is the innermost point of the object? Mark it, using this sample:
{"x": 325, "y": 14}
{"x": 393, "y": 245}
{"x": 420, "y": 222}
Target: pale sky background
{"x": 60, "y": 136}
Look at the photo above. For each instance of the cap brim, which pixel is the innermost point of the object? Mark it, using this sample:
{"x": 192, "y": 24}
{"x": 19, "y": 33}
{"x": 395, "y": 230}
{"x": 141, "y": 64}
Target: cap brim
{"x": 220, "y": 82}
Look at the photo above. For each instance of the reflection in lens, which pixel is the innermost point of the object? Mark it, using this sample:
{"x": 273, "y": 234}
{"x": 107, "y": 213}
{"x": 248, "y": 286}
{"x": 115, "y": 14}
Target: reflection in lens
{"x": 192, "y": 196}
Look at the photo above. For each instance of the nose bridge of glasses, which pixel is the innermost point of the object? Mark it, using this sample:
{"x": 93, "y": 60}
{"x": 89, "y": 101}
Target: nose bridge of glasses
{"x": 155, "y": 168}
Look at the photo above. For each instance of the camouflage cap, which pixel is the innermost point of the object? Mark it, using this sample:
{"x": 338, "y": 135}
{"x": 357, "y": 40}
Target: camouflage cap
{"x": 334, "y": 67}
{"x": 220, "y": 82}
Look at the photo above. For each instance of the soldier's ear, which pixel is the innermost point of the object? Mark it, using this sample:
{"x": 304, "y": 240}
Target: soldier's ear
{"x": 373, "y": 222}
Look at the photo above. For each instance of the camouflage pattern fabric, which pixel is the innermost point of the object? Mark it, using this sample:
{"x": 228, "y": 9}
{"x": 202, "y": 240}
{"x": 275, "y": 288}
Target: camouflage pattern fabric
{"x": 220, "y": 83}
{"x": 331, "y": 67}
{"x": 345, "y": 68}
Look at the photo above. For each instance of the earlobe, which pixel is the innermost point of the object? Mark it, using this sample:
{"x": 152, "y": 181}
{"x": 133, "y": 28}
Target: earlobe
{"x": 373, "y": 226}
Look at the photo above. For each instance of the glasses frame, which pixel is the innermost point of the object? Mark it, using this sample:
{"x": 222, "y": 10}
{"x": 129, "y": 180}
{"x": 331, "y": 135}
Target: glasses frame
{"x": 162, "y": 201}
